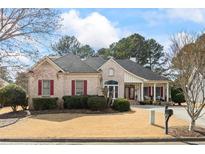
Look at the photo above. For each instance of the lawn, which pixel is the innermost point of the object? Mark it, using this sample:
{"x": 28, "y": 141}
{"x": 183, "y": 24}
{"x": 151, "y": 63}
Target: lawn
{"x": 75, "y": 125}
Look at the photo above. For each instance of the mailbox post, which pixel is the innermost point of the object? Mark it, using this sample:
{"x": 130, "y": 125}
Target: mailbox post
{"x": 168, "y": 113}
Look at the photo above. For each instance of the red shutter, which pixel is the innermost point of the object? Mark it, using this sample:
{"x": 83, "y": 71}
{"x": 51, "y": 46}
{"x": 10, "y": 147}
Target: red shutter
{"x": 51, "y": 87}
{"x": 85, "y": 87}
{"x": 161, "y": 92}
{"x": 39, "y": 87}
{"x": 73, "y": 87}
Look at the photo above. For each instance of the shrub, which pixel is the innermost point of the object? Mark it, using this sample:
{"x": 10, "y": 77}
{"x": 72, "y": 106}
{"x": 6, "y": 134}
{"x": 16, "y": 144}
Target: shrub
{"x": 97, "y": 103}
{"x": 44, "y": 103}
{"x": 13, "y": 96}
{"x": 25, "y": 104}
{"x": 177, "y": 95}
{"x": 142, "y": 103}
{"x": 148, "y": 101}
{"x": 75, "y": 102}
{"x": 121, "y": 104}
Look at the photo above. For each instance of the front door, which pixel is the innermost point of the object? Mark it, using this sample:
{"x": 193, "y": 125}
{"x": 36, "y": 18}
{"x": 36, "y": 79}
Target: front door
{"x": 129, "y": 92}
{"x": 132, "y": 92}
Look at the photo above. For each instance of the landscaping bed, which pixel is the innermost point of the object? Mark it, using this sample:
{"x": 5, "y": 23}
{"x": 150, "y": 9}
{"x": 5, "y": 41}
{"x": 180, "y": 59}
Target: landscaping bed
{"x": 9, "y": 118}
{"x": 83, "y": 111}
{"x": 17, "y": 114}
{"x": 184, "y": 132}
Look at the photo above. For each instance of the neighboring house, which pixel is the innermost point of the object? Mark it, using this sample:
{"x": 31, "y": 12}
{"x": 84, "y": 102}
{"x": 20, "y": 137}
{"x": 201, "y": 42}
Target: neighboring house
{"x": 69, "y": 75}
{"x": 3, "y": 82}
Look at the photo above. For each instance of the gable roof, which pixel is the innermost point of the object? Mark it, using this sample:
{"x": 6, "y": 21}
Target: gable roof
{"x": 139, "y": 70}
{"x": 46, "y": 59}
{"x": 127, "y": 64}
{"x": 95, "y": 62}
{"x": 73, "y": 64}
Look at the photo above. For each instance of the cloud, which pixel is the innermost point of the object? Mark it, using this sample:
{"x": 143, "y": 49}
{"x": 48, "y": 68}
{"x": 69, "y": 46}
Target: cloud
{"x": 94, "y": 29}
{"x": 194, "y": 15}
{"x": 159, "y": 16}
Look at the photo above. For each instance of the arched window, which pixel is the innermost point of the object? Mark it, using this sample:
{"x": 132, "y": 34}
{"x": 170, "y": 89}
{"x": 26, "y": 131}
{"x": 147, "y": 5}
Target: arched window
{"x": 112, "y": 87}
{"x": 111, "y": 72}
{"x": 111, "y": 82}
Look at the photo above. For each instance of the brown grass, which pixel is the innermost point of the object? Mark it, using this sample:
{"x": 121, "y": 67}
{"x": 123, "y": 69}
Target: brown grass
{"x": 70, "y": 125}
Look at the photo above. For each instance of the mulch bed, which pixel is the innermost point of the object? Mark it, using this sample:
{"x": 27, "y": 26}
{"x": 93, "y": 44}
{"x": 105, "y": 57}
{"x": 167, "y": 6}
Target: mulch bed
{"x": 17, "y": 114}
{"x": 82, "y": 111}
{"x": 10, "y": 118}
{"x": 184, "y": 132}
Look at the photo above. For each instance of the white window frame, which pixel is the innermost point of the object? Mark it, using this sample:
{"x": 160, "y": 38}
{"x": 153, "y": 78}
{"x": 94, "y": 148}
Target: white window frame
{"x": 114, "y": 85}
{"x": 76, "y": 88}
{"x": 48, "y": 88}
{"x": 113, "y": 72}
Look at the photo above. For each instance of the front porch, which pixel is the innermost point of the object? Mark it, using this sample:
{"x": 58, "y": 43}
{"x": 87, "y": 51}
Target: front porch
{"x": 144, "y": 90}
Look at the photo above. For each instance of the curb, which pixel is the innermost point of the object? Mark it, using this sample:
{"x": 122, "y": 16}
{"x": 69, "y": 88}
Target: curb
{"x": 102, "y": 139}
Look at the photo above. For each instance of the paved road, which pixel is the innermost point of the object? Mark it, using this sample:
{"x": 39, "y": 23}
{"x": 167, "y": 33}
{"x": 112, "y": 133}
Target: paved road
{"x": 102, "y": 143}
{"x": 179, "y": 112}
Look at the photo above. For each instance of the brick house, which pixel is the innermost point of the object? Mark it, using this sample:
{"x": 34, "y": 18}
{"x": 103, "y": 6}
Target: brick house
{"x": 69, "y": 75}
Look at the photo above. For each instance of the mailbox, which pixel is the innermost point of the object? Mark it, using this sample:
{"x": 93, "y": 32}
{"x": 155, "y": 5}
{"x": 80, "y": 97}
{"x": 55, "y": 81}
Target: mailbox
{"x": 168, "y": 112}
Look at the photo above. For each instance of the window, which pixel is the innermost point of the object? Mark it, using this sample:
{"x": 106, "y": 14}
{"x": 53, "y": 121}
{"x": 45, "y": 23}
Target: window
{"x": 46, "y": 87}
{"x": 79, "y": 87}
{"x": 111, "y": 82}
{"x": 111, "y": 72}
{"x": 112, "y": 88}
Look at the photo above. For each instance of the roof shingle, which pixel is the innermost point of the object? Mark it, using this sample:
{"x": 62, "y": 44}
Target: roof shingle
{"x": 139, "y": 70}
{"x": 72, "y": 63}
{"x": 95, "y": 62}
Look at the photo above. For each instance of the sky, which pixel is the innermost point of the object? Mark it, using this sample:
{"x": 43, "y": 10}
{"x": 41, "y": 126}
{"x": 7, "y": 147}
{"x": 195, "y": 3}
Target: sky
{"x": 101, "y": 27}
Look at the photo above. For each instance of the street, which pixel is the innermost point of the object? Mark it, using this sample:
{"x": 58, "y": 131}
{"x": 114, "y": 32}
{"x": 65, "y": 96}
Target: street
{"x": 179, "y": 111}
{"x": 103, "y": 143}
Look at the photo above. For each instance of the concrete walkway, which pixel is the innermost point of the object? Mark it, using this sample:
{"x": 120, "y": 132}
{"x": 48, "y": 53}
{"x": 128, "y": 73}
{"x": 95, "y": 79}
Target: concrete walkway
{"x": 179, "y": 111}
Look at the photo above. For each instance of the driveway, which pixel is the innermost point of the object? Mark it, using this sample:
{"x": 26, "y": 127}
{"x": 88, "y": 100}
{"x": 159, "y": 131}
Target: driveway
{"x": 179, "y": 112}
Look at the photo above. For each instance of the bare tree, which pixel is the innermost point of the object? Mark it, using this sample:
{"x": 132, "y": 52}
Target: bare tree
{"x": 22, "y": 31}
{"x": 189, "y": 63}
{"x": 22, "y": 80}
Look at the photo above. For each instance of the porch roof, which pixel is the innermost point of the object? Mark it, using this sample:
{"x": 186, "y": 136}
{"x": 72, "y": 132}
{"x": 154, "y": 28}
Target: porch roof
{"x": 139, "y": 70}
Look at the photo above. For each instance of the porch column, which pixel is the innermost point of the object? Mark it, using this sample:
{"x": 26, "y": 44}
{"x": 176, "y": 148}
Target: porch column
{"x": 154, "y": 92}
{"x": 142, "y": 91}
{"x": 163, "y": 91}
{"x": 167, "y": 91}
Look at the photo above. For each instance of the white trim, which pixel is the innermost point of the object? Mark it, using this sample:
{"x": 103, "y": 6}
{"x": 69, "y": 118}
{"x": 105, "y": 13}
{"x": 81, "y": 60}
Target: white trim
{"x": 49, "y": 88}
{"x": 76, "y": 86}
{"x": 167, "y": 92}
{"x": 46, "y": 59}
{"x": 108, "y": 85}
{"x": 155, "y": 86}
{"x": 111, "y": 59}
{"x": 143, "y": 79}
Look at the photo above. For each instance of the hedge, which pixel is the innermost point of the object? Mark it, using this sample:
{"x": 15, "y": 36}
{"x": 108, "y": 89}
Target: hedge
{"x": 13, "y": 95}
{"x": 45, "y": 103}
{"x": 97, "y": 103}
{"x": 121, "y": 105}
{"x": 75, "y": 102}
